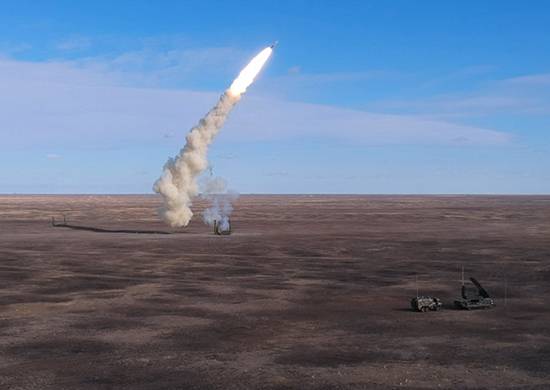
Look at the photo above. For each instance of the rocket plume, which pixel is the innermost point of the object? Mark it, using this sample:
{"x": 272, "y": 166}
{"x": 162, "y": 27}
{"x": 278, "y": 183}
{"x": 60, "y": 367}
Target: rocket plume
{"x": 178, "y": 183}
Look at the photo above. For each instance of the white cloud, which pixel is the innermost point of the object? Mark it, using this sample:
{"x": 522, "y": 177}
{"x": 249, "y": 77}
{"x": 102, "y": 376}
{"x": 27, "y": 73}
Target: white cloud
{"x": 60, "y": 103}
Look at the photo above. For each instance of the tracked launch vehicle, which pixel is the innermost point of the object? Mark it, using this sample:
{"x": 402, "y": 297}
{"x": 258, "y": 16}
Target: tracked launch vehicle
{"x": 222, "y": 228}
{"x": 472, "y": 302}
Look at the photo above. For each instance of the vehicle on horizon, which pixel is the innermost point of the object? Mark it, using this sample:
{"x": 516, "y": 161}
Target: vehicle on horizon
{"x": 472, "y": 302}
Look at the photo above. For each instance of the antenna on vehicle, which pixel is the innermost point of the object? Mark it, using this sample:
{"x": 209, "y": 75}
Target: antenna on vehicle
{"x": 505, "y": 291}
{"x": 463, "y": 288}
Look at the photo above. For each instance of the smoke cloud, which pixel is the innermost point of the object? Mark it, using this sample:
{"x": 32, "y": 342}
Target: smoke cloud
{"x": 178, "y": 183}
{"x": 214, "y": 189}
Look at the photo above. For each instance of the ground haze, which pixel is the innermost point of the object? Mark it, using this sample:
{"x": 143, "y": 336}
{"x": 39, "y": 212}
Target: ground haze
{"x": 310, "y": 292}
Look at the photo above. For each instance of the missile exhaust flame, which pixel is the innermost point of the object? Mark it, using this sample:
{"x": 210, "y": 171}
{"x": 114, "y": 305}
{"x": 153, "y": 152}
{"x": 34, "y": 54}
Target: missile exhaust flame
{"x": 249, "y": 73}
{"x": 178, "y": 182}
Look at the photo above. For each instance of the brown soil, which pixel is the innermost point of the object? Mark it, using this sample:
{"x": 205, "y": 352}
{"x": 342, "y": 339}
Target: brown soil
{"x": 310, "y": 292}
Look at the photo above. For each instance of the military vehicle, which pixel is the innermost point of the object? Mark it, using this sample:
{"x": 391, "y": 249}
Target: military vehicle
{"x": 481, "y": 300}
{"x": 222, "y": 228}
{"x": 424, "y": 303}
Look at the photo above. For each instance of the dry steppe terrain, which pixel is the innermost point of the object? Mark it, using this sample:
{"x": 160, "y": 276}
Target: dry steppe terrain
{"x": 310, "y": 292}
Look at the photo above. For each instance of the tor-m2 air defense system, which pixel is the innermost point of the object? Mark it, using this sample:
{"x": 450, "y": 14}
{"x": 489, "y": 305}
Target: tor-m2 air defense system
{"x": 471, "y": 302}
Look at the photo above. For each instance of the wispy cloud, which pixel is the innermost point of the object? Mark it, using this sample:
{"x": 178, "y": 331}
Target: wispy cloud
{"x": 226, "y": 156}
{"x": 522, "y": 95}
{"x": 294, "y": 69}
{"x": 11, "y": 48}
{"x": 276, "y": 119}
{"x": 460, "y": 105}
{"x": 172, "y": 67}
{"x": 541, "y": 79}
{"x": 277, "y": 173}
{"x": 74, "y": 43}
{"x": 297, "y": 78}
{"x": 79, "y": 105}
{"x": 332, "y": 77}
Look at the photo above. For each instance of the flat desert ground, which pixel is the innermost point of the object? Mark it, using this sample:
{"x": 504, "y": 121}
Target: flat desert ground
{"x": 310, "y": 292}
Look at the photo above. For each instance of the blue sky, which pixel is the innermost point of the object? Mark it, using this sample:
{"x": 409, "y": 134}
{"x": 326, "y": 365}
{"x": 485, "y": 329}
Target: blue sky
{"x": 359, "y": 97}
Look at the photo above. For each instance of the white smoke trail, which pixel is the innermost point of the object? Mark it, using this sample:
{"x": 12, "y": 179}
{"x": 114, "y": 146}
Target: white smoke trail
{"x": 214, "y": 189}
{"x": 178, "y": 183}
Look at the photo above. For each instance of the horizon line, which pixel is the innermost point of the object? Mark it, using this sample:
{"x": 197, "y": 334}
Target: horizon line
{"x": 282, "y": 194}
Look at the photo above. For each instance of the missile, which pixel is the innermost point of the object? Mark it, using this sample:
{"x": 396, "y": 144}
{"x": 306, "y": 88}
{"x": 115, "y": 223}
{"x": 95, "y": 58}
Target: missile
{"x": 274, "y": 44}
